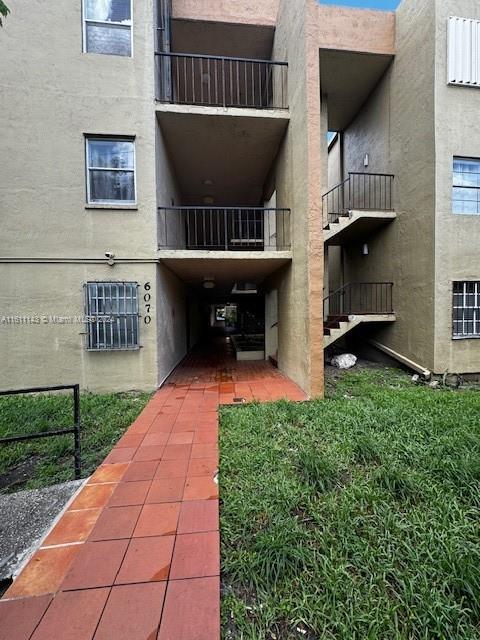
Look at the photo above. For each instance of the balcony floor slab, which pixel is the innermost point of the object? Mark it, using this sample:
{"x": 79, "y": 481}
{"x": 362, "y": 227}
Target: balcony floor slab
{"x": 225, "y": 267}
{"x": 208, "y": 110}
{"x": 357, "y": 226}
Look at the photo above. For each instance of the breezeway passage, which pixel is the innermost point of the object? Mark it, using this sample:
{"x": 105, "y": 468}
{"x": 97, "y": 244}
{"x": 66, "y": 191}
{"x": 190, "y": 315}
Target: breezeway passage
{"x": 137, "y": 551}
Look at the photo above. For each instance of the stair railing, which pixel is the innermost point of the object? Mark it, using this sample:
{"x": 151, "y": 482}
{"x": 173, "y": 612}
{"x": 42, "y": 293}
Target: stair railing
{"x": 359, "y": 298}
{"x": 360, "y": 191}
{"x": 335, "y": 203}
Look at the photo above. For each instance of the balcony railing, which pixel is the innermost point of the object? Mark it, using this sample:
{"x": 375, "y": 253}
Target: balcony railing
{"x": 221, "y": 81}
{"x": 360, "y": 191}
{"x": 224, "y": 228}
{"x": 360, "y": 298}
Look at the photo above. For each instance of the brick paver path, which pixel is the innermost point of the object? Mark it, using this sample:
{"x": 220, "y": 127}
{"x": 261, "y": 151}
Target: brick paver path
{"x": 136, "y": 555}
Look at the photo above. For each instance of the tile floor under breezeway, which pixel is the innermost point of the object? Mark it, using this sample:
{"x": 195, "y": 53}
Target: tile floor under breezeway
{"x": 136, "y": 555}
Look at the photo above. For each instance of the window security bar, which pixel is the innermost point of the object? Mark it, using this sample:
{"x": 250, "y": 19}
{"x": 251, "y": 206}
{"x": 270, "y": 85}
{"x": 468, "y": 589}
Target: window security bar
{"x": 112, "y": 315}
{"x": 466, "y": 309}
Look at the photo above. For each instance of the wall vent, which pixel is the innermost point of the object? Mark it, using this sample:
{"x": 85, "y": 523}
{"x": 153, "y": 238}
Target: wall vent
{"x": 464, "y": 51}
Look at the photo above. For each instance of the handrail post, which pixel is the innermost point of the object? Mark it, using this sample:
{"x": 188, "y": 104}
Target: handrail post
{"x": 224, "y": 96}
{"x": 226, "y": 228}
{"x": 57, "y": 432}
{"x": 76, "y": 434}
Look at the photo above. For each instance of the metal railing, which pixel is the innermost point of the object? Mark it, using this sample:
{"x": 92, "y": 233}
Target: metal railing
{"x": 75, "y": 430}
{"x": 187, "y": 78}
{"x": 360, "y": 191}
{"x": 359, "y": 298}
{"x": 224, "y": 228}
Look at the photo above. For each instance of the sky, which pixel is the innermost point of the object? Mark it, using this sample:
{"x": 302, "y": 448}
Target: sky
{"x": 387, "y": 5}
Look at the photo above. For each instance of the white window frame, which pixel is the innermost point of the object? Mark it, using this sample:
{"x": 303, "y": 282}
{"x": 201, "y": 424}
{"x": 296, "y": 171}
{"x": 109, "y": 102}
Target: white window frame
{"x": 86, "y": 21}
{"x": 459, "y": 186}
{"x": 476, "y": 310}
{"x": 88, "y": 168}
{"x": 91, "y": 313}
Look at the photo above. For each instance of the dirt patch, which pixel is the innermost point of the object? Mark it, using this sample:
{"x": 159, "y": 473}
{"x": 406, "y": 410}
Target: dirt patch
{"x": 18, "y": 476}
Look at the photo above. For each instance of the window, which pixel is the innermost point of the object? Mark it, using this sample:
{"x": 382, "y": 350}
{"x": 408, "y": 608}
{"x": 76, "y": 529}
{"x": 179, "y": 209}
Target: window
{"x": 112, "y": 315}
{"x": 466, "y": 186}
{"x": 107, "y": 27}
{"x": 466, "y": 309}
{"x": 111, "y": 171}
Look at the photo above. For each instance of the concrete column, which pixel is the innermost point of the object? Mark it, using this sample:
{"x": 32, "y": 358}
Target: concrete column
{"x": 324, "y": 140}
{"x": 326, "y": 282}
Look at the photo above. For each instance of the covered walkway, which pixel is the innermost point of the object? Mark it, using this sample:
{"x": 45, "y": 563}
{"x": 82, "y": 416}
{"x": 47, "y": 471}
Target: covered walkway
{"x": 136, "y": 554}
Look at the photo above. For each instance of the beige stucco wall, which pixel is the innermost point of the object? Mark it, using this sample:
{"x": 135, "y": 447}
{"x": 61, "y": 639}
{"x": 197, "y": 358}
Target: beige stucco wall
{"x": 53, "y": 94}
{"x": 297, "y": 172}
{"x": 413, "y": 125}
{"x": 171, "y": 321}
{"x": 349, "y": 29}
{"x": 168, "y": 192}
{"x": 334, "y": 163}
{"x": 457, "y": 237}
{"x": 245, "y": 12}
{"x": 333, "y": 254}
{"x": 396, "y": 129}
{"x": 50, "y": 353}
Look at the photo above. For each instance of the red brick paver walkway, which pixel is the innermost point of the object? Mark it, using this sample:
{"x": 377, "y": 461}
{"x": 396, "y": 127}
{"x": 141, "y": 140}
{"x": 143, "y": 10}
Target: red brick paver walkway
{"x": 136, "y": 555}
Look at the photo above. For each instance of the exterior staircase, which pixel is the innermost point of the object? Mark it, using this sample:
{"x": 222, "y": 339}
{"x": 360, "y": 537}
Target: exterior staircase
{"x": 346, "y": 226}
{"x": 353, "y": 304}
{"x": 336, "y": 328}
{"x": 357, "y": 206}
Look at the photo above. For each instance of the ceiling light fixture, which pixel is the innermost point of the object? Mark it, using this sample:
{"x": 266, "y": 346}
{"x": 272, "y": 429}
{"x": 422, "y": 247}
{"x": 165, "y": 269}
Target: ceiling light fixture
{"x": 209, "y": 283}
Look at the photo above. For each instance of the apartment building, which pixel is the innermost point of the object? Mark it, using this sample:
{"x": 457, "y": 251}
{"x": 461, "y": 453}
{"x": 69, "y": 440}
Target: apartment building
{"x": 166, "y": 171}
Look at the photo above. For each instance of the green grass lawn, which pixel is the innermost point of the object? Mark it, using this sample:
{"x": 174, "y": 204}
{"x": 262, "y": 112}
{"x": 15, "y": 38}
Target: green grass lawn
{"x": 353, "y": 518}
{"x": 39, "y": 463}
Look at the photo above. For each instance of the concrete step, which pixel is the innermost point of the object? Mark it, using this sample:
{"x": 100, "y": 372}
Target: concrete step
{"x": 346, "y": 324}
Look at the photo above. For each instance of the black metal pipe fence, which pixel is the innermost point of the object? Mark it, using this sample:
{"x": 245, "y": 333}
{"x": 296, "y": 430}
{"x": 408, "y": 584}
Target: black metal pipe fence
{"x": 359, "y": 298}
{"x": 224, "y": 228}
{"x": 360, "y": 191}
{"x": 193, "y": 79}
{"x": 75, "y": 430}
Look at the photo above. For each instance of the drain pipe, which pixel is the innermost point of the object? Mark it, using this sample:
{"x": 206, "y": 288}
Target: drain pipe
{"x": 426, "y": 373}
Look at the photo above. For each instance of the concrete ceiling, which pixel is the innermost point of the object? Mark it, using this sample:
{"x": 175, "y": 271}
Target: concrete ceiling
{"x": 235, "y": 153}
{"x": 347, "y": 79}
{"x": 220, "y": 39}
{"x": 226, "y": 272}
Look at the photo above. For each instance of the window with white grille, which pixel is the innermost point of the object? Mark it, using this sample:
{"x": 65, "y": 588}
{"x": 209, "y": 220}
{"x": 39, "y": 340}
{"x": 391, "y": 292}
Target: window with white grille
{"x": 466, "y": 309}
{"x": 107, "y": 27}
{"x": 112, "y": 315}
{"x": 466, "y": 186}
{"x": 464, "y": 51}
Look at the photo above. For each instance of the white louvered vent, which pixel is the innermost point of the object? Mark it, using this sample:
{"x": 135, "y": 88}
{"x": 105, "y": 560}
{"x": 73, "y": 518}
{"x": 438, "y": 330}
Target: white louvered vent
{"x": 464, "y": 51}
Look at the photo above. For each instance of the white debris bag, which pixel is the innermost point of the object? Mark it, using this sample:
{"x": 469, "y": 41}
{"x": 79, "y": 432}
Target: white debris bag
{"x": 344, "y": 361}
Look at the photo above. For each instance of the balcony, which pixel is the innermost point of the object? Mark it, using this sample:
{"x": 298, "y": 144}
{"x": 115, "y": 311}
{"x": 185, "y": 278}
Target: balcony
{"x": 357, "y": 206}
{"x": 220, "y": 81}
{"x": 235, "y": 229}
